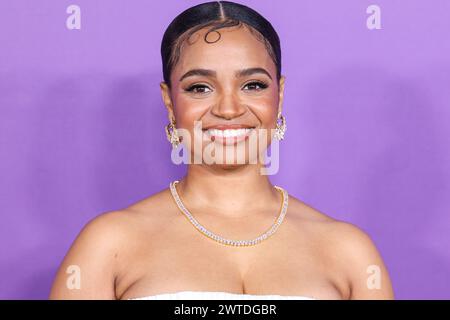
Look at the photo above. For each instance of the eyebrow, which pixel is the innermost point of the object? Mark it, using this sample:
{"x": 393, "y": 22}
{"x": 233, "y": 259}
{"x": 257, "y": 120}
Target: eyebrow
{"x": 213, "y": 74}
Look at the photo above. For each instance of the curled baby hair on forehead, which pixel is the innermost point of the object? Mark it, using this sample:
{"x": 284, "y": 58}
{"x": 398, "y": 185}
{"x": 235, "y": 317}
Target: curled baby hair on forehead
{"x": 215, "y": 15}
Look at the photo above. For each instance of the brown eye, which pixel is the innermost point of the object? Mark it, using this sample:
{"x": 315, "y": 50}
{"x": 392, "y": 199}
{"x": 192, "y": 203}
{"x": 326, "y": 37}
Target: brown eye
{"x": 198, "y": 88}
{"x": 256, "y": 85}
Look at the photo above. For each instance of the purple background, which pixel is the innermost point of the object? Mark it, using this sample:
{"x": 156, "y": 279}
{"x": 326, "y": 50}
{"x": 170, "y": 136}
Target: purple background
{"x": 368, "y": 115}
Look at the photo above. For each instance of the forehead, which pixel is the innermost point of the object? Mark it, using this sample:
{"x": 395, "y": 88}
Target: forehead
{"x": 237, "y": 48}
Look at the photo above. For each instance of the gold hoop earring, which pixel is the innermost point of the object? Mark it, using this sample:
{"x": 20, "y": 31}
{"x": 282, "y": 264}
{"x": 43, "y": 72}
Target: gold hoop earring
{"x": 172, "y": 134}
{"x": 280, "y": 128}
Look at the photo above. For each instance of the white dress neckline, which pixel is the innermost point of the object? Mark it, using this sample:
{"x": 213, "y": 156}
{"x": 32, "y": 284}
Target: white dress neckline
{"x": 218, "y": 295}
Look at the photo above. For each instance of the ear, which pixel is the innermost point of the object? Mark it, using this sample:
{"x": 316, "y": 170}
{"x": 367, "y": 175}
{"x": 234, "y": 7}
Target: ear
{"x": 165, "y": 93}
{"x": 281, "y": 93}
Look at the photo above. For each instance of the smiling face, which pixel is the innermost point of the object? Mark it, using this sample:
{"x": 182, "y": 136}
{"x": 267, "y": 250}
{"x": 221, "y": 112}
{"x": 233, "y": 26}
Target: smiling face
{"x": 228, "y": 84}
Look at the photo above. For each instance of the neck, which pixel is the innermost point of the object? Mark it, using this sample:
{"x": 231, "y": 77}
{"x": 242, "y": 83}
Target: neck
{"x": 228, "y": 192}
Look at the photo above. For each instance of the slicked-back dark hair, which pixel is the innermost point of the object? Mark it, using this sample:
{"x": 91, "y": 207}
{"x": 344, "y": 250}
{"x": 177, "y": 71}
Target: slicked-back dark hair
{"x": 216, "y": 15}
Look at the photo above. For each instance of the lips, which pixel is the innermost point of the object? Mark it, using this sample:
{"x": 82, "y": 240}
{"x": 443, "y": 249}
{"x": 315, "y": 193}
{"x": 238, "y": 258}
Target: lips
{"x": 228, "y": 133}
{"x": 228, "y": 126}
{"x": 229, "y": 136}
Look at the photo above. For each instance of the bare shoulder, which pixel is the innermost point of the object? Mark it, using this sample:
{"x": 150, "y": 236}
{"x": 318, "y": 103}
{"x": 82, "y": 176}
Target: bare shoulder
{"x": 359, "y": 259}
{"x": 157, "y": 201}
{"x": 338, "y": 232}
{"x": 88, "y": 269}
{"x": 116, "y": 228}
{"x": 91, "y": 265}
{"x": 350, "y": 252}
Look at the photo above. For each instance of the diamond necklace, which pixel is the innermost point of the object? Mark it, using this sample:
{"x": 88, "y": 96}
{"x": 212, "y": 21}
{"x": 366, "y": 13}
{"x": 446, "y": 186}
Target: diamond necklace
{"x": 230, "y": 242}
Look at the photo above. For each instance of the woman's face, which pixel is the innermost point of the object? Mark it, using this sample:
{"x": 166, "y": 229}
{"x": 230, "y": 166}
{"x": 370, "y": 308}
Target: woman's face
{"x": 230, "y": 83}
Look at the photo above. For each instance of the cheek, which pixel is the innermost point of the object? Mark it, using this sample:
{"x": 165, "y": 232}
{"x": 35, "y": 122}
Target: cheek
{"x": 188, "y": 114}
{"x": 188, "y": 110}
{"x": 265, "y": 109}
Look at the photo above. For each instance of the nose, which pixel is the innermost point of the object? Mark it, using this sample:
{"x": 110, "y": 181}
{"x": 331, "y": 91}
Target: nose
{"x": 228, "y": 107}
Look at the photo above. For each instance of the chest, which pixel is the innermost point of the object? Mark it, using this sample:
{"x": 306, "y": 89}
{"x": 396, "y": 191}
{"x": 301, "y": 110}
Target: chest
{"x": 282, "y": 264}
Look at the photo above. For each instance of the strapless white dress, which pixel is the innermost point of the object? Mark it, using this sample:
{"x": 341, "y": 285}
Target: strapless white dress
{"x": 218, "y": 295}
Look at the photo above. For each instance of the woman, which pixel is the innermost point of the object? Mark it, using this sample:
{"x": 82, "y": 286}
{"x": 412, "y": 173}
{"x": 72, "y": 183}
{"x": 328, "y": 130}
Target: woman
{"x": 222, "y": 66}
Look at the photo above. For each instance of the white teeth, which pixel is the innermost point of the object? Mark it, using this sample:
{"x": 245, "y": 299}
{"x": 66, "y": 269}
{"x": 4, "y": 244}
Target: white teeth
{"x": 228, "y": 132}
